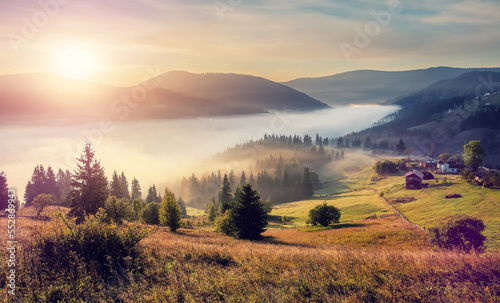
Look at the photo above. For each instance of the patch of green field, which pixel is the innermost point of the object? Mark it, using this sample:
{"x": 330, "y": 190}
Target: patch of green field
{"x": 194, "y": 212}
{"x": 430, "y": 207}
{"x": 353, "y": 206}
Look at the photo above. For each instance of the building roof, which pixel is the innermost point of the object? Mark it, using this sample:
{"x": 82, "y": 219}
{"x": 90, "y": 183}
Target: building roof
{"x": 416, "y": 173}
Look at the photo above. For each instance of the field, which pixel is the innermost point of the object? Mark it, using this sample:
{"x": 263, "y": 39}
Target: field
{"x": 372, "y": 255}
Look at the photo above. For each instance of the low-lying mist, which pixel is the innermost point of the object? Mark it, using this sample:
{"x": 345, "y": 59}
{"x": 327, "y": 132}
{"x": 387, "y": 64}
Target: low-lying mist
{"x": 162, "y": 151}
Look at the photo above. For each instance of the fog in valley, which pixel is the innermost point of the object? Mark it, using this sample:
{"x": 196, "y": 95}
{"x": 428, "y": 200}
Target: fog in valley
{"x": 162, "y": 151}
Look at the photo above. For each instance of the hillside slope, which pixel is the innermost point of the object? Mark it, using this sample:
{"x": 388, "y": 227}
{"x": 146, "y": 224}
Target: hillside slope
{"x": 374, "y": 87}
{"x": 51, "y": 97}
{"x": 242, "y": 90}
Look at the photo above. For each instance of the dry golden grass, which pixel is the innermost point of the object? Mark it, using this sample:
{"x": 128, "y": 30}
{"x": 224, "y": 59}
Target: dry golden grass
{"x": 374, "y": 260}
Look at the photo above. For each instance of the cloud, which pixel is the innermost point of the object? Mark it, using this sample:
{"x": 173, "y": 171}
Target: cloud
{"x": 273, "y": 38}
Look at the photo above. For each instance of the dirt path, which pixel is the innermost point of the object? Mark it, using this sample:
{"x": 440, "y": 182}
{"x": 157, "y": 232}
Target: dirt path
{"x": 395, "y": 210}
{"x": 497, "y": 203}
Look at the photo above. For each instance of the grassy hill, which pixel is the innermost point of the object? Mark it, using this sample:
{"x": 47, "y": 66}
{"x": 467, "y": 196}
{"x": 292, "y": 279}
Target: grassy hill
{"x": 353, "y": 193}
{"x": 365, "y": 258}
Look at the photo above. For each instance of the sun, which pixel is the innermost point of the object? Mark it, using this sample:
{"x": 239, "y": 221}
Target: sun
{"x": 76, "y": 62}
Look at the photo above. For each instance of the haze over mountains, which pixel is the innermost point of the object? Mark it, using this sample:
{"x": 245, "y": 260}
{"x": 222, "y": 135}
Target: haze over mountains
{"x": 168, "y": 96}
{"x": 374, "y": 87}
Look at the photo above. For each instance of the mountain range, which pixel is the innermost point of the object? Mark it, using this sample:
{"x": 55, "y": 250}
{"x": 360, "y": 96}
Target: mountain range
{"x": 167, "y": 96}
{"x": 374, "y": 87}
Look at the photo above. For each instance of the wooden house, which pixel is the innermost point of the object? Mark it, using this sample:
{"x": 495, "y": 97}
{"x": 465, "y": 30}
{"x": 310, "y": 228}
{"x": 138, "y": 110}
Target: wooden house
{"x": 414, "y": 180}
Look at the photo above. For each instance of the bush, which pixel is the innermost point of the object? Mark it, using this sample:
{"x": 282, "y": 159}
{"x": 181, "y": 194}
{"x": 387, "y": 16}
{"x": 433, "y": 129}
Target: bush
{"x": 95, "y": 246}
{"x": 224, "y": 223}
{"x": 151, "y": 213}
{"x": 460, "y": 233}
{"x": 41, "y": 201}
{"x": 118, "y": 209}
{"x": 324, "y": 215}
{"x": 385, "y": 168}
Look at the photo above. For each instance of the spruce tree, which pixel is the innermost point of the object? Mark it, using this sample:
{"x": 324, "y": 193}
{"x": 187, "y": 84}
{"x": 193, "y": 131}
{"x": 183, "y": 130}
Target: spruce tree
{"x": 124, "y": 193}
{"x": 225, "y": 196}
{"x": 64, "y": 188}
{"x": 249, "y": 216}
{"x": 36, "y": 185}
{"x": 152, "y": 195}
{"x": 136, "y": 192}
{"x": 90, "y": 185}
{"x": 114, "y": 187}
{"x": 51, "y": 185}
{"x": 307, "y": 186}
{"x": 182, "y": 206}
{"x": 170, "y": 213}
{"x": 243, "y": 179}
{"x": 4, "y": 191}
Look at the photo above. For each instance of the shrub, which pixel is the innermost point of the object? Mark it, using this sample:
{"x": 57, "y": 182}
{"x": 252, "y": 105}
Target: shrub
{"x": 224, "y": 223}
{"x": 97, "y": 246}
{"x": 41, "y": 201}
{"x": 459, "y": 233}
{"x": 151, "y": 213}
{"x": 324, "y": 215}
{"x": 117, "y": 209}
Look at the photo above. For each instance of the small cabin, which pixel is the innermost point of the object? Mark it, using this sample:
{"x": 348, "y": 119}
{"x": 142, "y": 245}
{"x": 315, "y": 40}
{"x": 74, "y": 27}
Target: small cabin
{"x": 428, "y": 175}
{"x": 414, "y": 180}
{"x": 449, "y": 167}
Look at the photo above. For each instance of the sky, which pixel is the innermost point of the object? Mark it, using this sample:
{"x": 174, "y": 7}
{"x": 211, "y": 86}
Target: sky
{"x": 123, "y": 42}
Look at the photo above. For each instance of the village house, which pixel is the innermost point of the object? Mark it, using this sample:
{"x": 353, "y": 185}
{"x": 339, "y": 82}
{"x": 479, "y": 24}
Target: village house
{"x": 449, "y": 167}
{"x": 428, "y": 175}
{"x": 414, "y": 180}
{"x": 428, "y": 162}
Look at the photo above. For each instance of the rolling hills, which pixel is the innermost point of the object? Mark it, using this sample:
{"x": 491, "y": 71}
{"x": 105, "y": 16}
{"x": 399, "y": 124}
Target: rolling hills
{"x": 374, "y": 87}
{"x": 51, "y": 97}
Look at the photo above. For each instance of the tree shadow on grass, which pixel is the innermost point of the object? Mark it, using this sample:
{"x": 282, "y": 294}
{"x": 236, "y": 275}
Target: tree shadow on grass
{"x": 336, "y": 226}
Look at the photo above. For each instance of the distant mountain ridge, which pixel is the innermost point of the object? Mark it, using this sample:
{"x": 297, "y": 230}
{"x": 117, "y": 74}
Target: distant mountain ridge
{"x": 168, "y": 96}
{"x": 236, "y": 88}
{"x": 471, "y": 84}
{"x": 374, "y": 87}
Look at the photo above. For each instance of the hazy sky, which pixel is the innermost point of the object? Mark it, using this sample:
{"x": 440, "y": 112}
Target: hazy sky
{"x": 114, "y": 41}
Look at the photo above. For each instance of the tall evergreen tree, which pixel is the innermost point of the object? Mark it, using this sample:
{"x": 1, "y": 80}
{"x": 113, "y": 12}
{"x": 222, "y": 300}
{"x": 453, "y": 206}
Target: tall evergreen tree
{"x": 182, "y": 207}
{"x": 152, "y": 194}
{"x": 225, "y": 196}
{"x": 51, "y": 185}
{"x": 136, "y": 192}
{"x": 170, "y": 213}
{"x": 232, "y": 179}
{"x": 252, "y": 180}
{"x": 64, "y": 188}
{"x": 114, "y": 186}
{"x": 243, "y": 179}
{"x": 401, "y": 146}
{"x": 249, "y": 216}
{"x": 4, "y": 191}
{"x": 307, "y": 186}
{"x": 90, "y": 185}
{"x": 36, "y": 185}
{"x": 124, "y": 193}
{"x": 368, "y": 143}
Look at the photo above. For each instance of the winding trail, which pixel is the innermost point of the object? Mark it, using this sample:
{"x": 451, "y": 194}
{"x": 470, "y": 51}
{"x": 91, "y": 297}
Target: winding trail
{"x": 396, "y": 211}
